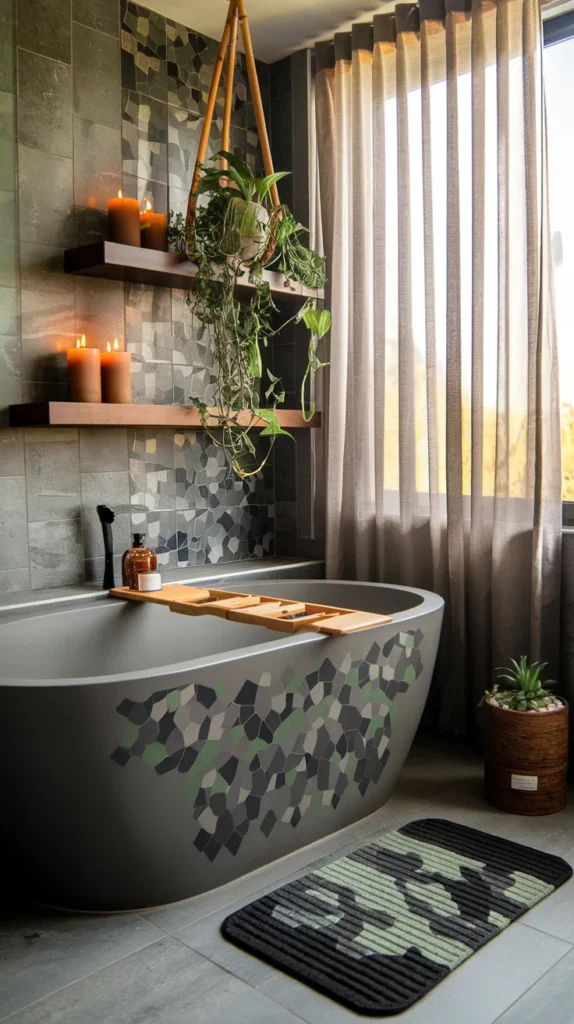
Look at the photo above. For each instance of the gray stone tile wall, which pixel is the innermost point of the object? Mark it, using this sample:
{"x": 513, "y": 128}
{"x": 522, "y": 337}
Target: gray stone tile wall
{"x": 106, "y": 95}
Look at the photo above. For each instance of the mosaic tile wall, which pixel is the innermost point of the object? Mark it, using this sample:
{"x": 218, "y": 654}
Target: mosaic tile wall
{"x": 259, "y": 753}
{"x": 107, "y": 95}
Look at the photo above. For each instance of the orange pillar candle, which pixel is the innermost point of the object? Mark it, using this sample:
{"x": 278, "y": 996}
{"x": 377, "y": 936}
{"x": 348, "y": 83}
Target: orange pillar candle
{"x": 153, "y": 229}
{"x": 84, "y": 373}
{"x": 124, "y": 220}
{"x": 116, "y": 375}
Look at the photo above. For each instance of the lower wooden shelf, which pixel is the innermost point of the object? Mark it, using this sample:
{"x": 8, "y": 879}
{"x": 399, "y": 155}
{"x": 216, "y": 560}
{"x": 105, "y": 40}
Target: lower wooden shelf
{"x": 86, "y": 414}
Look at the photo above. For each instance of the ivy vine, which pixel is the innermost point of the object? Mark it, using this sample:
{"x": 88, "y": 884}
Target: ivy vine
{"x": 232, "y": 238}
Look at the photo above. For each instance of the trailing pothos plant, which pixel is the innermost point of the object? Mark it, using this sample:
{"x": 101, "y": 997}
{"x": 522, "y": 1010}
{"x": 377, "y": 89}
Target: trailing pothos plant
{"x": 232, "y": 238}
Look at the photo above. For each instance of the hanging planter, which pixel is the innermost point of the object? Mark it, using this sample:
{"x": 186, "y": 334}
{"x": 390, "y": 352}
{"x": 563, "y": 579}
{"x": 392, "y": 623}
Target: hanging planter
{"x": 242, "y": 229}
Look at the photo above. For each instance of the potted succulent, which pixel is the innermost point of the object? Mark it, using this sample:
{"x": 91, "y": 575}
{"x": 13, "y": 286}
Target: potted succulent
{"x": 526, "y": 741}
{"x": 233, "y": 237}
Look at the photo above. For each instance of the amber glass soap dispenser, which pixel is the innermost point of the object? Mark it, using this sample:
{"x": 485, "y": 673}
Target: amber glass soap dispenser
{"x": 137, "y": 559}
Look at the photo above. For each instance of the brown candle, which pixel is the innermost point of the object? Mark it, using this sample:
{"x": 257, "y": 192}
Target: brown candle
{"x": 116, "y": 375}
{"x": 153, "y": 229}
{"x": 84, "y": 373}
{"x": 124, "y": 220}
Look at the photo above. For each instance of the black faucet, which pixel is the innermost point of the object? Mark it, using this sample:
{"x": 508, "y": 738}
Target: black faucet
{"x": 107, "y": 517}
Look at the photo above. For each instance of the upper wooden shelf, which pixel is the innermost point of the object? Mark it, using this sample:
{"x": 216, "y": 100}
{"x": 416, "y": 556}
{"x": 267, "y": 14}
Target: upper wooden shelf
{"x": 86, "y": 414}
{"x": 148, "y": 266}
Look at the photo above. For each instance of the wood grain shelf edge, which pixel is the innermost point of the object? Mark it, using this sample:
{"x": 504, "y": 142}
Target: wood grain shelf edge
{"x": 148, "y": 266}
{"x": 80, "y": 414}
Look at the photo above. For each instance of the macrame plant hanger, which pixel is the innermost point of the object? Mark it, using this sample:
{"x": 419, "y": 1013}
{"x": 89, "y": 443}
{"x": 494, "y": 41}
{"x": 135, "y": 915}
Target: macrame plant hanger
{"x": 236, "y": 17}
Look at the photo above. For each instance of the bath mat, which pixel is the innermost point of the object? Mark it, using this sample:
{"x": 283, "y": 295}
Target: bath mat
{"x": 378, "y": 928}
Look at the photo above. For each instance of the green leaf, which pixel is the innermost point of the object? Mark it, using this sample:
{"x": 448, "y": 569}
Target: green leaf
{"x": 318, "y": 321}
{"x": 255, "y": 365}
{"x": 242, "y": 170}
{"x": 324, "y": 323}
{"x": 273, "y": 428}
{"x": 263, "y": 185}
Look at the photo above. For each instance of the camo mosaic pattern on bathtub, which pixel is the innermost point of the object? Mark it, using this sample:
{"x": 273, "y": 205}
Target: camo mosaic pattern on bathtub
{"x": 379, "y": 927}
{"x": 277, "y": 748}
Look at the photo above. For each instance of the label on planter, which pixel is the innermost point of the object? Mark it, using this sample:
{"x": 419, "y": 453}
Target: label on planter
{"x": 529, "y": 782}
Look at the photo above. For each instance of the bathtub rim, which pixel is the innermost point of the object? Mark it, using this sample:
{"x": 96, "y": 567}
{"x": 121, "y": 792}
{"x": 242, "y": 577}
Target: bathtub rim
{"x": 430, "y": 603}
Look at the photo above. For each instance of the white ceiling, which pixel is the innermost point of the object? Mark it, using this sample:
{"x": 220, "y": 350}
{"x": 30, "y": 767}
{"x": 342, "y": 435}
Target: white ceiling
{"x": 276, "y": 29}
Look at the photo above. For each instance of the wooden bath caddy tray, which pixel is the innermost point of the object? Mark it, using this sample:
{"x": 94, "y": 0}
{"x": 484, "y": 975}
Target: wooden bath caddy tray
{"x": 273, "y": 612}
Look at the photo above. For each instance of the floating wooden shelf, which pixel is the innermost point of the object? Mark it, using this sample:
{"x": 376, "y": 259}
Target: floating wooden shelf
{"x": 85, "y": 414}
{"x": 148, "y": 266}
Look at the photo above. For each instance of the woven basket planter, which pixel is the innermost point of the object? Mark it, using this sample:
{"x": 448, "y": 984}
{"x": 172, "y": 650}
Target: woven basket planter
{"x": 526, "y": 760}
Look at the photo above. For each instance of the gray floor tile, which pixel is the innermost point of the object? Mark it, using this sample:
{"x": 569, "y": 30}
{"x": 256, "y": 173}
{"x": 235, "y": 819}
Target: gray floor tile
{"x": 550, "y": 1000}
{"x": 426, "y": 789}
{"x": 476, "y": 993}
{"x": 555, "y": 915}
{"x": 253, "y": 1008}
{"x": 41, "y": 952}
{"x": 205, "y": 936}
{"x": 165, "y": 983}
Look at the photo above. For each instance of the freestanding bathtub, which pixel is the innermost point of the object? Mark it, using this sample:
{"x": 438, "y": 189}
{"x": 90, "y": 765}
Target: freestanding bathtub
{"x": 148, "y": 756}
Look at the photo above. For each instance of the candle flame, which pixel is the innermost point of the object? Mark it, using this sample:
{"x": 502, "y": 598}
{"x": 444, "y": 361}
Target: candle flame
{"x": 116, "y": 345}
{"x": 120, "y": 194}
{"x": 148, "y": 206}
{"x": 81, "y": 342}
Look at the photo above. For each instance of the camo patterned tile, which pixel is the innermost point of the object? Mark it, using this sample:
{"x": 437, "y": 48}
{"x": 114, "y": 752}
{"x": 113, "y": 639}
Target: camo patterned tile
{"x": 152, "y": 477}
{"x": 379, "y": 927}
{"x": 210, "y": 535}
{"x": 245, "y": 144}
{"x": 144, "y": 136}
{"x": 152, "y": 383}
{"x": 204, "y": 478}
{"x": 191, "y": 382}
{"x": 143, "y": 37}
{"x": 191, "y": 58}
{"x": 149, "y": 335}
{"x": 273, "y": 750}
{"x": 190, "y": 338}
{"x": 159, "y": 529}
{"x": 184, "y": 130}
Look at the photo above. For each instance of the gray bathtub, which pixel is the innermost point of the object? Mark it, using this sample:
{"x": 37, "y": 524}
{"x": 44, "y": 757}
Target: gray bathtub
{"x": 148, "y": 756}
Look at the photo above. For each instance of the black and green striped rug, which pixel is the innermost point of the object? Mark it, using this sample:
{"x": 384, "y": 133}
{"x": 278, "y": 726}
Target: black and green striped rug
{"x": 379, "y": 927}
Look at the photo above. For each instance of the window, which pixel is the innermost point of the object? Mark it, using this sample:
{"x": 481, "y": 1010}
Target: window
{"x": 559, "y": 85}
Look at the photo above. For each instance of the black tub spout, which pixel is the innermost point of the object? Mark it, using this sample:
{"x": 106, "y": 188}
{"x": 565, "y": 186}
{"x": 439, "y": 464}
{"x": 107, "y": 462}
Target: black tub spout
{"x": 107, "y": 517}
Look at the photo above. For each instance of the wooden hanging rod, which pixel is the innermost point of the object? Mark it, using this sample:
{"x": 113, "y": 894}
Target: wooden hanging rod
{"x": 236, "y": 15}
{"x": 277, "y": 613}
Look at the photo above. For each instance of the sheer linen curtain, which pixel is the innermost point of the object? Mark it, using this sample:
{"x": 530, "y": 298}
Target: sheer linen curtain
{"x": 442, "y": 415}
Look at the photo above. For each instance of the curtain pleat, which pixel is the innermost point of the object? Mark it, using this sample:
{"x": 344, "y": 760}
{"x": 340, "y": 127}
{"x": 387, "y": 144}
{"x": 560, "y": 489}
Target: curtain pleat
{"x": 442, "y": 414}
{"x": 379, "y": 298}
{"x": 360, "y": 394}
{"x": 407, "y": 459}
{"x": 480, "y": 546}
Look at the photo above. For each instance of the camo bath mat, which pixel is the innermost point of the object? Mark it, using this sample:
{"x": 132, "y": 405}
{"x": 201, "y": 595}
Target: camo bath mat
{"x": 378, "y": 928}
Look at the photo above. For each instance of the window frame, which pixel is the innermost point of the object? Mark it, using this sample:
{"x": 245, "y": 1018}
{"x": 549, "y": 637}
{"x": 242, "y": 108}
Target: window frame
{"x": 558, "y": 30}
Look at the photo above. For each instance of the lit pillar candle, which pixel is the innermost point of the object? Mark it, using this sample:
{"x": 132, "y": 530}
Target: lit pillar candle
{"x": 84, "y": 373}
{"x": 153, "y": 229}
{"x": 124, "y": 220}
{"x": 116, "y": 375}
